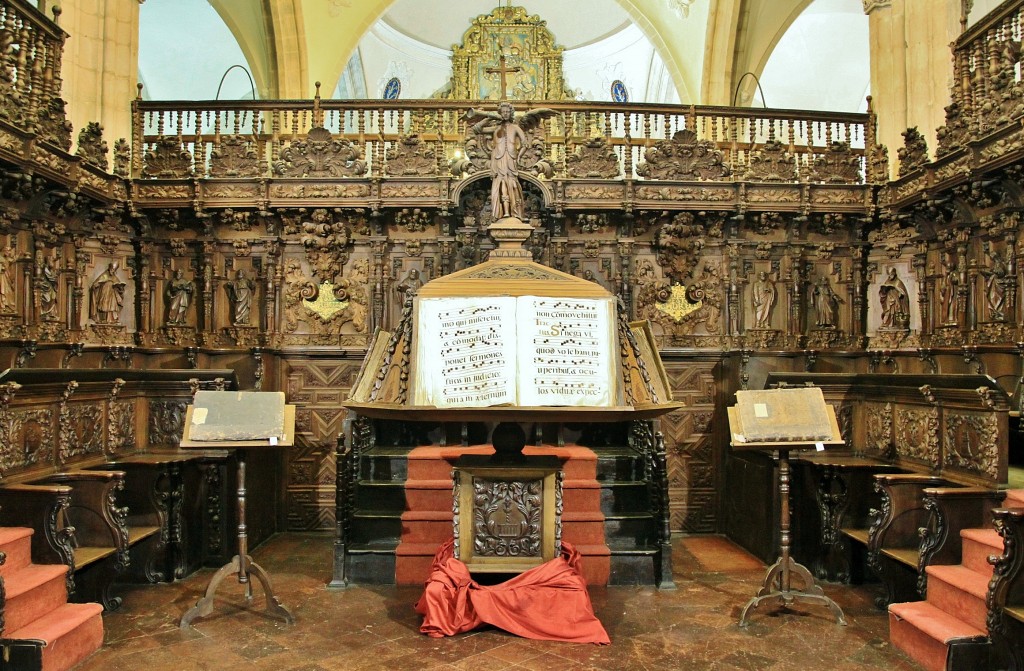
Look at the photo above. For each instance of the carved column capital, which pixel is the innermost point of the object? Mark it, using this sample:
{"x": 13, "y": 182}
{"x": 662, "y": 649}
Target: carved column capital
{"x": 872, "y": 5}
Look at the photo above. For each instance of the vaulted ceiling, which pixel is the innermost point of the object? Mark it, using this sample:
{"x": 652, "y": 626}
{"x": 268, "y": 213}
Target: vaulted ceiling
{"x": 700, "y": 48}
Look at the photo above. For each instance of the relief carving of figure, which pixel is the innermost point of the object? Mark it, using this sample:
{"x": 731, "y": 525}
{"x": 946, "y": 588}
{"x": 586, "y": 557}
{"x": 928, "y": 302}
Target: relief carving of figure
{"x": 107, "y": 297}
{"x": 764, "y": 300}
{"x": 240, "y": 291}
{"x": 895, "y": 302}
{"x": 408, "y": 287}
{"x": 8, "y": 300}
{"x": 179, "y": 298}
{"x": 826, "y": 303}
{"x": 995, "y": 286}
{"x": 46, "y": 282}
{"x": 947, "y": 290}
{"x": 508, "y": 143}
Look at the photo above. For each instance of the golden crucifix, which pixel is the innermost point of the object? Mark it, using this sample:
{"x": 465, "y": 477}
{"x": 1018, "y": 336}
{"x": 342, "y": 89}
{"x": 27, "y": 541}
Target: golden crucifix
{"x": 502, "y": 71}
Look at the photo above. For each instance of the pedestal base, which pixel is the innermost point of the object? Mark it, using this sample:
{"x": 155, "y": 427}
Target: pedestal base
{"x": 777, "y": 585}
{"x": 204, "y": 606}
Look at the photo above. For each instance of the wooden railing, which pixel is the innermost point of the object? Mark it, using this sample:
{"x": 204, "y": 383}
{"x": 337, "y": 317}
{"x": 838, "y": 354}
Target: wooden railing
{"x": 30, "y": 62}
{"x": 372, "y": 129}
{"x": 987, "y": 91}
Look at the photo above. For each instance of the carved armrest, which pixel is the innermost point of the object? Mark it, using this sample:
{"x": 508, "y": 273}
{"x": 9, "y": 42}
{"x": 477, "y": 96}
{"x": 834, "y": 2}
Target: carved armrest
{"x": 902, "y": 511}
{"x": 1006, "y": 589}
{"x": 94, "y": 512}
{"x": 41, "y": 508}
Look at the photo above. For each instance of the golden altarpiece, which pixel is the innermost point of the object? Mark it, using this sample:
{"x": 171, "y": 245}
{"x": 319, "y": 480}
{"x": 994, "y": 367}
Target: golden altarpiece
{"x": 274, "y": 237}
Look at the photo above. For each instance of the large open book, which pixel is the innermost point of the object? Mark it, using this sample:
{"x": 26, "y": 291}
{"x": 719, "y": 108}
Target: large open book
{"x": 526, "y": 351}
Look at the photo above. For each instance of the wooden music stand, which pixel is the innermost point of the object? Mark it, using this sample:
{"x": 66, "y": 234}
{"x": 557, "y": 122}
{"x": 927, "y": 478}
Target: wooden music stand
{"x": 778, "y": 580}
{"x": 241, "y": 564}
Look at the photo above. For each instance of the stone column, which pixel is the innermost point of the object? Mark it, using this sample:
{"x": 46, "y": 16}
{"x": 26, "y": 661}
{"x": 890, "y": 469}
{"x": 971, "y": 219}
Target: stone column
{"x": 101, "y": 63}
{"x": 911, "y": 67}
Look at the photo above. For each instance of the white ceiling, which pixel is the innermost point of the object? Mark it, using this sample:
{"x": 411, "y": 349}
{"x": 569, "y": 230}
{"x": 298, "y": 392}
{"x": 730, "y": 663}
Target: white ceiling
{"x": 443, "y": 24}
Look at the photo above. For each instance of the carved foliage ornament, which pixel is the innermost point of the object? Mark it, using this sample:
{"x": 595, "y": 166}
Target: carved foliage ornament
{"x": 772, "y": 163}
{"x": 54, "y": 125}
{"x": 917, "y": 435}
{"x": 684, "y": 157}
{"x": 411, "y": 156}
{"x": 91, "y": 146}
{"x": 507, "y": 518}
{"x": 914, "y": 152}
{"x": 320, "y": 155}
{"x": 234, "y": 156}
{"x": 838, "y": 165}
{"x": 168, "y": 158}
{"x": 593, "y": 159}
{"x": 971, "y": 443}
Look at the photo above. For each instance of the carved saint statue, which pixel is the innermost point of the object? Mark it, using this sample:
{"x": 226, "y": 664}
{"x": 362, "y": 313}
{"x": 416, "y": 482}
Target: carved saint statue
{"x": 8, "y": 301}
{"x": 508, "y": 143}
{"x": 240, "y": 291}
{"x": 408, "y": 287}
{"x": 179, "y": 298}
{"x": 895, "y": 302}
{"x": 764, "y": 300}
{"x": 947, "y": 290}
{"x": 995, "y": 285}
{"x": 106, "y": 297}
{"x": 826, "y": 303}
{"x": 46, "y": 283}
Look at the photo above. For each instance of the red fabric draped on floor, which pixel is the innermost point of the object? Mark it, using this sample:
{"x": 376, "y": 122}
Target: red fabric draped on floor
{"x": 548, "y": 602}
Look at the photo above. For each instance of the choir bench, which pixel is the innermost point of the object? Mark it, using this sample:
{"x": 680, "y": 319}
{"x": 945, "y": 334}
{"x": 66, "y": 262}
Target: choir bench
{"x": 925, "y": 456}
{"x": 90, "y": 463}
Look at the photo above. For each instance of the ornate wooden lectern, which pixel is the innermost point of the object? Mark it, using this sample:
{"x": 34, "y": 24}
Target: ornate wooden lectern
{"x": 779, "y": 420}
{"x": 236, "y": 425}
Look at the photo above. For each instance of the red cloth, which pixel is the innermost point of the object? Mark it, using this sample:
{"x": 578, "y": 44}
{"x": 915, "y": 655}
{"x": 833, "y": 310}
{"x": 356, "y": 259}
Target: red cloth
{"x": 548, "y": 602}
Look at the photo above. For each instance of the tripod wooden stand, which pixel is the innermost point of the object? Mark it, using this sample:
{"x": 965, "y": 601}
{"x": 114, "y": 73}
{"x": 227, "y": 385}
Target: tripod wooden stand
{"x": 241, "y": 564}
{"x": 778, "y": 581}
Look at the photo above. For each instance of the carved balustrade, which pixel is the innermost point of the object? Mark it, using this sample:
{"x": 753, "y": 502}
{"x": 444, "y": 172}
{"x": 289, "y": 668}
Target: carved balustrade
{"x": 30, "y": 70}
{"x": 428, "y": 138}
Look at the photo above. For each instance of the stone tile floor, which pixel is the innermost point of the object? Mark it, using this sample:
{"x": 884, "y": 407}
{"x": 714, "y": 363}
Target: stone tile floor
{"x": 374, "y": 627}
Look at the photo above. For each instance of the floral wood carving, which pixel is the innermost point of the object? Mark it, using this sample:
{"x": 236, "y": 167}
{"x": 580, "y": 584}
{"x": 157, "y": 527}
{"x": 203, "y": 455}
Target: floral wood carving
{"x": 956, "y": 133}
{"x": 593, "y": 158}
{"x": 972, "y": 443}
{"x": 122, "y": 157}
{"x": 772, "y": 163}
{"x": 120, "y": 427}
{"x": 914, "y": 152}
{"x": 27, "y": 438}
{"x": 411, "y": 156}
{"x": 320, "y": 155}
{"x": 917, "y": 435}
{"x": 234, "y": 156}
{"x": 684, "y": 157}
{"x": 838, "y": 165}
{"x": 325, "y": 240}
{"x": 506, "y": 518}
{"x": 168, "y": 159}
{"x": 92, "y": 148}
{"x": 53, "y": 124}
{"x": 878, "y": 435}
{"x": 679, "y": 243}
{"x": 166, "y": 422}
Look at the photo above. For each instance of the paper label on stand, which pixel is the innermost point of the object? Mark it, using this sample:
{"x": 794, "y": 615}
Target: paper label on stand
{"x": 199, "y": 415}
{"x": 760, "y": 410}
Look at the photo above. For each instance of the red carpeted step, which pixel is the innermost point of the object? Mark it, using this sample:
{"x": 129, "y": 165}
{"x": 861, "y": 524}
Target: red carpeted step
{"x": 427, "y": 526}
{"x": 32, "y": 592}
{"x": 72, "y": 632}
{"x": 1014, "y": 498}
{"x": 16, "y": 543}
{"x": 583, "y": 527}
{"x": 923, "y": 631}
{"x": 978, "y": 546}
{"x": 959, "y": 591}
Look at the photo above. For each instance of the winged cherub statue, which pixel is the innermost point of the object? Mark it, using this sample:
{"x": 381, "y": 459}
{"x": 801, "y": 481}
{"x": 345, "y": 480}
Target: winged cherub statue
{"x": 507, "y": 137}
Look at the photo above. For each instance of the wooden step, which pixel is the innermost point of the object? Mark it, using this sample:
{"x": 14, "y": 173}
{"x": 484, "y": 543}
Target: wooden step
{"x": 978, "y": 545}
{"x": 70, "y": 632}
{"x": 32, "y": 592}
{"x": 16, "y": 543}
{"x": 924, "y": 631}
{"x": 960, "y": 591}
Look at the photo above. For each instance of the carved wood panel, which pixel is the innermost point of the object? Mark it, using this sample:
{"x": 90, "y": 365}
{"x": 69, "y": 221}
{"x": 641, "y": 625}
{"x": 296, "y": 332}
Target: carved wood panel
{"x": 166, "y": 422}
{"x": 27, "y": 439}
{"x": 971, "y": 443}
{"x": 917, "y": 435}
{"x": 693, "y": 465}
{"x": 317, "y": 388}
